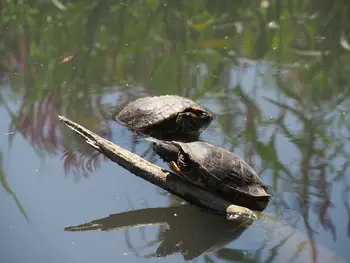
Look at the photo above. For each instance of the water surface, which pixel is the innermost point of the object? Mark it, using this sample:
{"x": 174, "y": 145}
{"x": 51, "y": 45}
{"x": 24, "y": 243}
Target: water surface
{"x": 276, "y": 75}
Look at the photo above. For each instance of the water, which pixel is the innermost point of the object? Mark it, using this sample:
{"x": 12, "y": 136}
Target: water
{"x": 274, "y": 73}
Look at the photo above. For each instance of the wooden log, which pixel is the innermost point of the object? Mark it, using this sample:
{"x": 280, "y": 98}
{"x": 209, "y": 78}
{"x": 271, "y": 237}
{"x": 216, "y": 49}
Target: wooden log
{"x": 159, "y": 176}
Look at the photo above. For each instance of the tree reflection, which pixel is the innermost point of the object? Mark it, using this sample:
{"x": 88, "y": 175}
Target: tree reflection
{"x": 7, "y": 188}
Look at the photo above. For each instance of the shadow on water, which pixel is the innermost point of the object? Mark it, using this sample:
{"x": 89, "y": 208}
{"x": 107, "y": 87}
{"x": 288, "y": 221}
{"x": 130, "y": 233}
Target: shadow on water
{"x": 275, "y": 73}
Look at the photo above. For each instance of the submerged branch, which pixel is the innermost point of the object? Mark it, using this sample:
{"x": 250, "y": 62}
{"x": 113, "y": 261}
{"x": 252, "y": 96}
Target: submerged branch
{"x": 157, "y": 175}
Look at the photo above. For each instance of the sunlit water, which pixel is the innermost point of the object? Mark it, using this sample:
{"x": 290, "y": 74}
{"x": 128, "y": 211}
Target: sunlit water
{"x": 52, "y": 184}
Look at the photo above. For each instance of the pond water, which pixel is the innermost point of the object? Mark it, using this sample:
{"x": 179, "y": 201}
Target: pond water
{"x": 275, "y": 74}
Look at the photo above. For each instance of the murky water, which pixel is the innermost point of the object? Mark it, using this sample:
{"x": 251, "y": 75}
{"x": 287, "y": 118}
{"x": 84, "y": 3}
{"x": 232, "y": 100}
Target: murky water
{"x": 275, "y": 73}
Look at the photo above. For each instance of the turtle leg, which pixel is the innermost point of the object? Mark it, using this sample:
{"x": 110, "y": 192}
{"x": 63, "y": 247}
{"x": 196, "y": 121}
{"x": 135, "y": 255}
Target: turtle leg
{"x": 174, "y": 167}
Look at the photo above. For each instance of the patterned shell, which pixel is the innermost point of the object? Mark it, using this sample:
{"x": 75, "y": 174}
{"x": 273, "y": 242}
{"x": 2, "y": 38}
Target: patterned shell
{"x": 148, "y": 111}
{"x": 223, "y": 169}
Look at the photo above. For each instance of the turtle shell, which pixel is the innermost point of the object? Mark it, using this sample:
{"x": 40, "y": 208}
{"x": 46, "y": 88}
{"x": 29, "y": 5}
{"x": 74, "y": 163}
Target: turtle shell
{"x": 148, "y": 111}
{"x": 222, "y": 171}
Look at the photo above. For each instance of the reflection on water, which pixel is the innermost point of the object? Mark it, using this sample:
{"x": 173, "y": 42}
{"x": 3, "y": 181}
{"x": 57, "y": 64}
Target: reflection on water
{"x": 275, "y": 74}
{"x": 184, "y": 233}
{"x": 191, "y": 231}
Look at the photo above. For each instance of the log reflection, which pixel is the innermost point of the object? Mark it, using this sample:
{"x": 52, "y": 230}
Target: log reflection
{"x": 189, "y": 230}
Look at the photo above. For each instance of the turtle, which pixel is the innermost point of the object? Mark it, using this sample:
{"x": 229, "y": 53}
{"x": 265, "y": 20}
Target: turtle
{"x": 165, "y": 114}
{"x": 215, "y": 169}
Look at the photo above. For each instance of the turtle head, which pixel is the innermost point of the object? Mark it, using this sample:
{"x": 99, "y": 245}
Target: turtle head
{"x": 166, "y": 150}
{"x": 177, "y": 159}
{"x": 193, "y": 120}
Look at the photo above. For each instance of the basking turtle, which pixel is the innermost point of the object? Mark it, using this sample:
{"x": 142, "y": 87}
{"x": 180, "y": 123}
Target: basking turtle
{"x": 217, "y": 170}
{"x": 165, "y": 114}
